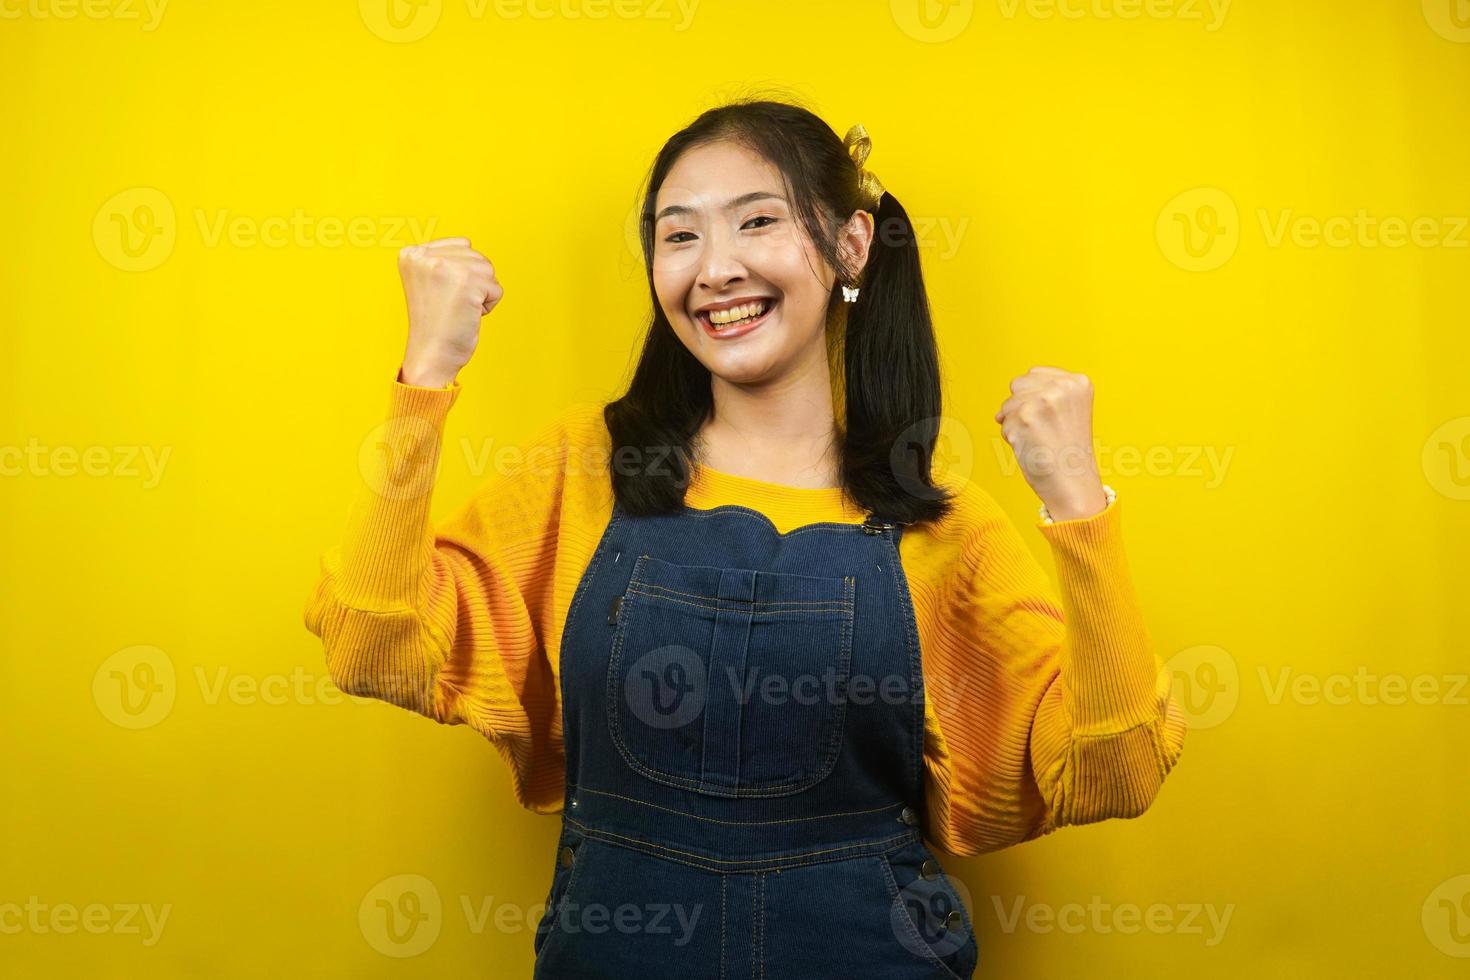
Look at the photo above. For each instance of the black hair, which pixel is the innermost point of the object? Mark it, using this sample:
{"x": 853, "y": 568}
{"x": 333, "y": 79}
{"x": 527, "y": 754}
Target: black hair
{"x": 887, "y": 400}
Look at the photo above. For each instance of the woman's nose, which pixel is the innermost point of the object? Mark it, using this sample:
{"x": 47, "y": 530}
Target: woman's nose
{"x": 720, "y": 262}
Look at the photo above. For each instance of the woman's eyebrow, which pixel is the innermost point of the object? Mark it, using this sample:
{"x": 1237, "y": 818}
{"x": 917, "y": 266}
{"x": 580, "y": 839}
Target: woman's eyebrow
{"x": 734, "y": 202}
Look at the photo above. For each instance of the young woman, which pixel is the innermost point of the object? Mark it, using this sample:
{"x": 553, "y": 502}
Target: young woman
{"x": 730, "y": 625}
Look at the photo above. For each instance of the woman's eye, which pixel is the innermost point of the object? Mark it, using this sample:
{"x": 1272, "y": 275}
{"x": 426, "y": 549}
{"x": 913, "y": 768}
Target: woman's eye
{"x": 674, "y": 238}
{"x": 762, "y": 217}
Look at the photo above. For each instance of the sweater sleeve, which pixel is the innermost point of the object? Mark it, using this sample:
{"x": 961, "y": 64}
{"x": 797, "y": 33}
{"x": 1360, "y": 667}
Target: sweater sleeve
{"x": 1053, "y": 709}
{"x": 445, "y": 621}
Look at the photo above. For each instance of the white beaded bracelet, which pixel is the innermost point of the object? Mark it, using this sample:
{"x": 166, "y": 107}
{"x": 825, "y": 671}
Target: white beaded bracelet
{"x": 1109, "y": 491}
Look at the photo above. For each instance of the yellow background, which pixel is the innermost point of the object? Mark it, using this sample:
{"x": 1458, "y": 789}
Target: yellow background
{"x": 1066, "y": 152}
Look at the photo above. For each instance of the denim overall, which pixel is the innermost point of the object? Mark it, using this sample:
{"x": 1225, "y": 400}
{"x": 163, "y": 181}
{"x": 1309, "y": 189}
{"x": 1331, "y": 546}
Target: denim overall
{"x": 744, "y": 720}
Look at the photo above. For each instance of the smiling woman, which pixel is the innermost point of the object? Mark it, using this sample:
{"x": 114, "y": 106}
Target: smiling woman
{"x": 754, "y": 216}
{"x": 765, "y": 653}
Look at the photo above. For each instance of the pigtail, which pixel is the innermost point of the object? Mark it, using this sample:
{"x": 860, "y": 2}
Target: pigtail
{"x": 891, "y": 378}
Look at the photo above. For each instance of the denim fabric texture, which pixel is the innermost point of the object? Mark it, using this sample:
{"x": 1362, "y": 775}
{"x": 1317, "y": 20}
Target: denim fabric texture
{"x": 743, "y": 723}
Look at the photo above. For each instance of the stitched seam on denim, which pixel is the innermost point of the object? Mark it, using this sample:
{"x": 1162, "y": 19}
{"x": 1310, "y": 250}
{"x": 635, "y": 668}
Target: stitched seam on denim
{"x": 648, "y": 845}
{"x": 741, "y": 605}
{"x": 760, "y": 883}
{"x": 740, "y": 823}
{"x": 614, "y": 718}
{"x": 588, "y": 574}
{"x": 755, "y": 925}
{"x": 697, "y": 513}
{"x": 722, "y": 927}
{"x": 914, "y": 758}
{"x": 579, "y": 858}
{"x": 754, "y": 602}
{"x": 770, "y": 575}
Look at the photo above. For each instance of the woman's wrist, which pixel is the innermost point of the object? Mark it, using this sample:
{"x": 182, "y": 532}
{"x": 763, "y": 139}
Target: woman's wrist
{"x": 1081, "y": 504}
{"x": 426, "y": 375}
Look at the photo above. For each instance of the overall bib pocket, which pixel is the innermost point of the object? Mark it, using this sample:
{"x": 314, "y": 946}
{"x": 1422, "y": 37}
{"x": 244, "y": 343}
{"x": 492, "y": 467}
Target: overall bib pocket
{"x": 728, "y": 681}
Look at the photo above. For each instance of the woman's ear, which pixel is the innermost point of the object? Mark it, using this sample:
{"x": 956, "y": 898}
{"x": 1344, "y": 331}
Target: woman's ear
{"x": 854, "y": 241}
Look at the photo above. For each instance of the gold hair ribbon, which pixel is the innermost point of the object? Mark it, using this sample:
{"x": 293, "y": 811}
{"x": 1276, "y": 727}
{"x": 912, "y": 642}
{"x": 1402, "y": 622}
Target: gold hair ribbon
{"x": 859, "y": 144}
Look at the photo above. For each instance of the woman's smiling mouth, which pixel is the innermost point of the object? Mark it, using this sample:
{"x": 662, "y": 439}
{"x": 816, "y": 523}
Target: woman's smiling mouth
{"x": 737, "y": 320}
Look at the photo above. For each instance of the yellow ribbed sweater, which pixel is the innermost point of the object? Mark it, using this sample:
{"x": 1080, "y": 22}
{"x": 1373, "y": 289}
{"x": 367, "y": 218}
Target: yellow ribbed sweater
{"x": 1042, "y": 710}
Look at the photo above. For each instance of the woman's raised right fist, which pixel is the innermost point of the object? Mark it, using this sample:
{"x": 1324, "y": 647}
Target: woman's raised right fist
{"x": 449, "y": 287}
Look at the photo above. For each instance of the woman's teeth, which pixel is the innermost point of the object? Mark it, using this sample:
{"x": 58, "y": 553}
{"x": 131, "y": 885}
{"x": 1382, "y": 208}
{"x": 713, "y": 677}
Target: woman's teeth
{"x": 738, "y": 314}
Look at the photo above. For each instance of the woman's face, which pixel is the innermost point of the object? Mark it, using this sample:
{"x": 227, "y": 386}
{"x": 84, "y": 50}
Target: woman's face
{"x": 725, "y": 237}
